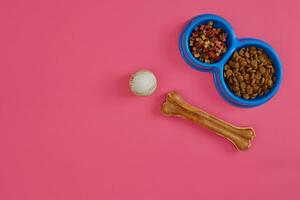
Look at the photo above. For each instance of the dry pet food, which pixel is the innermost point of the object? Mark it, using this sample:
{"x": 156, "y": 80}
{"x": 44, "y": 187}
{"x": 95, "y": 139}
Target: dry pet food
{"x": 208, "y": 43}
{"x": 250, "y": 73}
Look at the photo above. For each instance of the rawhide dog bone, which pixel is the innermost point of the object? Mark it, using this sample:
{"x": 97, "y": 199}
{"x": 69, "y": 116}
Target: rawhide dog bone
{"x": 241, "y": 137}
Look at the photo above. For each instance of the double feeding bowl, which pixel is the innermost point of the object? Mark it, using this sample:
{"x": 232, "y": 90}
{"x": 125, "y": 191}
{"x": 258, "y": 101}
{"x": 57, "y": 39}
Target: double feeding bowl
{"x": 217, "y": 69}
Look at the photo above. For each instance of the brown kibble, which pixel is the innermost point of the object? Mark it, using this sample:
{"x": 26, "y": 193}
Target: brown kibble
{"x": 247, "y": 55}
{"x": 235, "y": 80}
{"x": 254, "y": 63}
{"x": 229, "y": 73}
{"x": 236, "y": 89}
{"x": 250, "y": 91}
{"x": 226, "y": 67}
{"x": 254, "y": 84}
{"x": 249, "y": 69}
{"x": 251, "y": 73}
{"x": 273, "y": 70}
{"x": 261, "y": 58}
{"x": 243, "y": 85}
{"x": 253, "y": 52}
{"x": 242, "y": 51}
{"x": 246, "y": 96}
{"x": 266, "y": 75}
{"x": 235, "y": 55}
{"x": 258, "y": 75}
{"x": 238, "y": 94}
{"x": 262, "y": 70}
{"x": 240, "y": 78}
{"x": 246, "y": 77}
{"x": 237, "y": 65}
{"x": 270, "y": 83}
{"x": 265, "y": 87}
{"x": 248, "y": 60}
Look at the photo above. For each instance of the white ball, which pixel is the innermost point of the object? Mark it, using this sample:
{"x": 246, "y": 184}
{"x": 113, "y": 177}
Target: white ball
{"x": 143, "y": 83}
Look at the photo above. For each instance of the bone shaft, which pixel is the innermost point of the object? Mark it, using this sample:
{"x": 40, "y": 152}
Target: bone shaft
{"x": 240, "y": 137}
{"x": 218, "y": 126}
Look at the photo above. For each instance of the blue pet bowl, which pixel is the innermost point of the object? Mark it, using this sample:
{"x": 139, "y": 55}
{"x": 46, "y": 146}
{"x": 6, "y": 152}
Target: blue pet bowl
{"x": 217, "y": 68}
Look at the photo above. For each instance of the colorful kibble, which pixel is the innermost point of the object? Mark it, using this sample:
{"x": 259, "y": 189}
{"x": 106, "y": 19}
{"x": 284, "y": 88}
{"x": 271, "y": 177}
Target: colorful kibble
{"x": 208, "y": 43}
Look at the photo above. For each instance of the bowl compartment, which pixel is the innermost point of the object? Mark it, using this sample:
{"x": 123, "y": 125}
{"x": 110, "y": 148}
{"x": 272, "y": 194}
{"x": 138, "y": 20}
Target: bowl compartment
{"x": 185, "y": 35}
{"x": 236, "y": 100}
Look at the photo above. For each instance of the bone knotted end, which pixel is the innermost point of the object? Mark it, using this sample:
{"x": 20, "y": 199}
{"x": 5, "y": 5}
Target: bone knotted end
{"x": 175, "y": 105}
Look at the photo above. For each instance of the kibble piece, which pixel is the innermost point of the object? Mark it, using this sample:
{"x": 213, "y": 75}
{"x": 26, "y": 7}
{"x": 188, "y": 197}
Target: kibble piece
{"x": 241, "y": 52}
{"x": 243, "y": 62}
{"x": 265, "y": 87}
{"x": 250, "y": 91}
{"x": 255, "y": 88}
{"x": 240, "y": 78}
{"x": 262, "y": 70}
{"x": 270, "y": 83}
{"x": 247, "y": 55}
{"x": 258, "y": 75}
{"x": 246, "y": 96}
{"x": 235, "y": 55}
{"x": 237, "y": 65}
{"x": 238, "y": 94}
{"x": 235, "y": 80}
{"x": 243, "y": 85}
{"x": 236, "y": 89}
{"x": 248, "y": 60}
{"x": 246, "y": 77}
{"x": 273, "y": 70}
{"x": 254, "y": 63}
{"x": 253, "y": 52}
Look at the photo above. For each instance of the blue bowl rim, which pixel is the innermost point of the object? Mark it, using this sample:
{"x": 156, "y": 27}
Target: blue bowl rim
{"x": 218, "y": 67}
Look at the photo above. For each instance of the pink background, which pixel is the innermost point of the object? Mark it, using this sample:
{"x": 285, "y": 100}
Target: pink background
{"x": 70, "y": 128}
